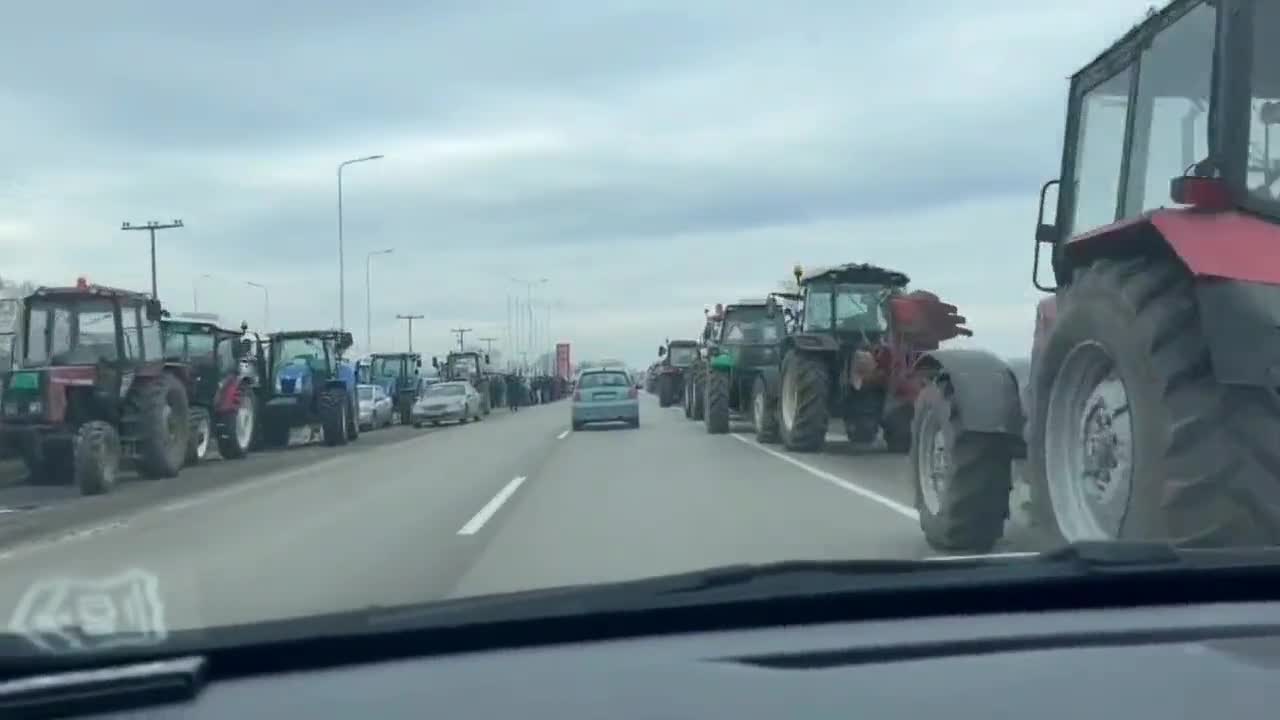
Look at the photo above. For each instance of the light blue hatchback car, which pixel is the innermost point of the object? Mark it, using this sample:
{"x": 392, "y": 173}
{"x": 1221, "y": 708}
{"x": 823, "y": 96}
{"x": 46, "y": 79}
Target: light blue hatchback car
{"x": 605, "y": 395}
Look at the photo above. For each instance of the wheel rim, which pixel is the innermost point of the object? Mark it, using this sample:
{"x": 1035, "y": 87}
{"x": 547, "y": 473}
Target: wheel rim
{"x": 790, "y": 400}
{"x": 1089, "y": 446}
{"x": 171, "y": 423}
{"x": 934, "y": 465}
{"x": 244, "y": 424}
{"x": 202, "y": 435}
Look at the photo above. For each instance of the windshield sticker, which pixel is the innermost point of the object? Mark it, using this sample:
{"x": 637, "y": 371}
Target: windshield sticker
{"x": 69, "y": 615}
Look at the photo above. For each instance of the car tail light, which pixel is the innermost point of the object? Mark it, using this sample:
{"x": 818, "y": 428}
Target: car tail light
{"x": 577, "y": 396}
{"x": 633, "y": 393}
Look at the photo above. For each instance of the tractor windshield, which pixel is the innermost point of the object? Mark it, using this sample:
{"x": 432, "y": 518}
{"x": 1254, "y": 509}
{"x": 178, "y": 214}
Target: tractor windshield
{"x": 465, "y": 365}
{"x": 845, "y": 308}
{"x": 751, "y": 325}
{"x": 682, "y": 355}
{"x": 381, "y": 368}
{"x": 308, "y": 351}
{"x": 189, "y": 345}
{"x": 70, "y": 331}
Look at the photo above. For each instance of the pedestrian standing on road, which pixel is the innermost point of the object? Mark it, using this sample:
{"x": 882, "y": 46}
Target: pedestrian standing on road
{"x": 513, "y": 392}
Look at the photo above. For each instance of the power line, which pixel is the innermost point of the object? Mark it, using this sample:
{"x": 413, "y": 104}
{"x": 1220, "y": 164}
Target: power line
{"x": 152, "y": 226}
{"x": 488, "y": 344}
{"x": 410, "y": 318}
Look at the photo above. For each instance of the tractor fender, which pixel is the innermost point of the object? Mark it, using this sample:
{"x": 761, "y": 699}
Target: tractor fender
{"x": 814, "y": 342}
{"x": 986, "y": 388}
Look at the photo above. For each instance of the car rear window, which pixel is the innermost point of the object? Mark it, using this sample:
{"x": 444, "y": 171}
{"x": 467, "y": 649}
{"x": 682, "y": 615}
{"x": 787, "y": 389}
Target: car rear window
{"x": 604, "y": 379}
{"x": 366, "y": 393}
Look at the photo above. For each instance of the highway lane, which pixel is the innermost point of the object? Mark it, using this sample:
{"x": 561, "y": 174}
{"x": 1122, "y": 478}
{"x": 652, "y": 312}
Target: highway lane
{"x": 515, "y": 502}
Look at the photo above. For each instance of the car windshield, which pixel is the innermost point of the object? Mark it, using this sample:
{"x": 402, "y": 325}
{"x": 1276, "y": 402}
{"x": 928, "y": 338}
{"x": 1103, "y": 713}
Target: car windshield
{"x": 603, "y": 379}
{"x": 505, "y": 266}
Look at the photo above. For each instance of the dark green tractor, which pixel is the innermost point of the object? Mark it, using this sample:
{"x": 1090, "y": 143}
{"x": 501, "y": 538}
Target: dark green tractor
{"x": 398, "y": 374}
{"x": 309, "y": 384}
{"x": 744, "y": 342}
{"x": 676, "y": 358}
{"x": 222, "y": 405}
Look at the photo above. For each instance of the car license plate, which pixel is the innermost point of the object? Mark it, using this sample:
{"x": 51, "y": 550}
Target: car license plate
{"x": 604, "y": 396}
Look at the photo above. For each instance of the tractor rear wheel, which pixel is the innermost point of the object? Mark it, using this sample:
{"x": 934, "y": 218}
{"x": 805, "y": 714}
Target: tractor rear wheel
{"x": 961, "y": 479}
{"x": 235, "y": 428}
{"x": 161, "y": 425}
{"x": 1134, "y": 437}
{"x": 717, "y": 419}
{"x": 688, "y": 396}
{"x": 698, "y": 404}
{"x": 353, "y": 418}
{"x": 764, "y": 413}
{"x": 96, "y": 457}
{"x": 665, "y": 391}
{"x": 333, "y": 416}
{"x": 804, "y": 413}
{"x": 199, "y": 434}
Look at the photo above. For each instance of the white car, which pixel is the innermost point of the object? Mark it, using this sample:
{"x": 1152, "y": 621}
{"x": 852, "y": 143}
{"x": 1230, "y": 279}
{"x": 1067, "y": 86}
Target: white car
{"x": 450, "y": 401}
{"x": 375, "y": 409}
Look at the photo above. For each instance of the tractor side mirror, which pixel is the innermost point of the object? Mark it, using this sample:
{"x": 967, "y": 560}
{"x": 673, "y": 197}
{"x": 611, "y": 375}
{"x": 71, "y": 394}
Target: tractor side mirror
{"x": 662, "y": 350}
{"x": 154, "y": 311}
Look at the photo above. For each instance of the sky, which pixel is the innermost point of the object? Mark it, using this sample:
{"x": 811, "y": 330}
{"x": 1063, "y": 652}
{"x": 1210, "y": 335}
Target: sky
{"x": 649, "y": 159}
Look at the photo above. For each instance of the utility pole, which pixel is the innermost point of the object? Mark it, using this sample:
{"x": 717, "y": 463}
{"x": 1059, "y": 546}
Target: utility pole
{"x": 488, "y": 344}
{"x": 152, "y": 226}
{"x": 461, "y": 333}
{"x": 410, "y": 318}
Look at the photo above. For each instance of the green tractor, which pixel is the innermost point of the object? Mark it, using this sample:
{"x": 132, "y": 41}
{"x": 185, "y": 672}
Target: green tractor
{"x": 398, "y": 374}
{"x": 223, "y": 405}
{"x": 853, "y": 352}
{"x": 309, "y": 384}
{"x": 471, "y": 366}
{"x": 745, "y": 340}
{"x": 676, "y": 358}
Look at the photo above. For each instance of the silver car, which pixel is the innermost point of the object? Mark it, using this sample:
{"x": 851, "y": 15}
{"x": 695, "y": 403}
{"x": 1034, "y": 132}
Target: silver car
{"x": 448, "y": 402}
{"x": 375, "y": 409}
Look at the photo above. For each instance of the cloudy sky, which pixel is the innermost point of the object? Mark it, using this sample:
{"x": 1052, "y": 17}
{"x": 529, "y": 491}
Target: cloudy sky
{"x": 648, "y": 158}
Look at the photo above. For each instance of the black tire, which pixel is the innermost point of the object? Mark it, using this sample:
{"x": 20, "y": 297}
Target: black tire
{"x": 896, "y": 429}
{"x": 1204, "y": 457}
{"x": 806, "y": 431}
{"x": 969, "y": 513}
{"x": 199, "y": 435}
{"x": 96, "y": 457}
{"x": 699, "y": 402}
{"x": 764, "y": 413}
{"x": 333, "y": 416}
{"x": 665, "y": 391}
{"x": 48, "y": 462}
{"x": 406, "y": 413}
{"x": 717, "y": 416}
{"x": 688, "y": 396}
{"x": 160, "y": 425}
{"x": 353, "y": 417}
{"x": 234, "y": 442}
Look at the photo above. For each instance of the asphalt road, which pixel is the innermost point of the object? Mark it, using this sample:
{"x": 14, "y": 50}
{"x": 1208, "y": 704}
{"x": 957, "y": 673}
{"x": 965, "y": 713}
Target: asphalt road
{"x": 511, "y": 503}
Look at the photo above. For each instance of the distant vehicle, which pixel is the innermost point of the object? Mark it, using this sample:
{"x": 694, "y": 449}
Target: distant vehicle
{"x": 605, "y": 395}
{"x": 449, "y": 401}
{"x": 309, "y": 384}
{"x": 397, "y": 374}
{"x": 375, "y": 409}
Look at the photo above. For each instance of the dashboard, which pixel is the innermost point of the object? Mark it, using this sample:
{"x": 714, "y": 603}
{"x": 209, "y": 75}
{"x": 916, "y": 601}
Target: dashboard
{"x": 1188, "y": 661}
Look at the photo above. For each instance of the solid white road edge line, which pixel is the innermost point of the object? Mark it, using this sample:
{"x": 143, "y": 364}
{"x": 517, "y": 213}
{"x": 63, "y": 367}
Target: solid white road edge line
{"x": 479, "y": 519}
{"x": 563, "y": 435}
{"x": 875, "y": 497}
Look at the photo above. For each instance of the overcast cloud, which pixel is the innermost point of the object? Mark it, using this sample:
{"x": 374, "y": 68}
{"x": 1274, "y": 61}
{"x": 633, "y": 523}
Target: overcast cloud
{"x": 649, "y": 158}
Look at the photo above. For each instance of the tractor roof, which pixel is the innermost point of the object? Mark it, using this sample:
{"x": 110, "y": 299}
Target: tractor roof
{"x": 373, "y": 356}
{"x": 289, "y": 334}
{"x": 91, "y": 290}
{"x": 747, "y": 303}
{"x": 857, "y": 273}
{"x": 175, "y": 323}
{"x": 1119, "y": 53}
{"x": 682, "y": 343}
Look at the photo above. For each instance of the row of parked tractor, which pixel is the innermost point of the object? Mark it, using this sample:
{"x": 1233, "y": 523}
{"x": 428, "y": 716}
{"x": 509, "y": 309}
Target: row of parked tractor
{"x": 102, "y": 378}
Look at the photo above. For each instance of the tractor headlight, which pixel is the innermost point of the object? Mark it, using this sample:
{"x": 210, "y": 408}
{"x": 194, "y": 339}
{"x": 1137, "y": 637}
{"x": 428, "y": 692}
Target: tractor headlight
{"x": 35, "y": 407}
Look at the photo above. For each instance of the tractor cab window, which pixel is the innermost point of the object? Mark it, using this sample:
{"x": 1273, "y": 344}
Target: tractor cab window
{"x": 71, "y": 332}
{"x": 310, "y": 352}
{"x": 844, "y": 308}
{"x": 1104, "y": 112}
{"x": 466, "y": 365}
{"x": 682, "y": 355}
{"x": 384, "y": 368}
{"x": 152, "y": 342}
{"x": 1170, "y": 132}
{"x": 228, "y": 354}
{"x": 751, "y": 325}
{"x": 131, "y": 331}
{"x": 1263, "y": 179}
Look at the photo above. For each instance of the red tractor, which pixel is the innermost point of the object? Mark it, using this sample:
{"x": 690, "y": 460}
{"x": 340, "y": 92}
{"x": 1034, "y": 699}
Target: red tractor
{"x": 1148, "y": 408}
{"x": 91, "y": 387}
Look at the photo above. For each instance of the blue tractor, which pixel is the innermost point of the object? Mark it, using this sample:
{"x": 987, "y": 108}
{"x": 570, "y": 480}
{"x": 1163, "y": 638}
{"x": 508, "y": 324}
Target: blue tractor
{"x": 309, "y": 384}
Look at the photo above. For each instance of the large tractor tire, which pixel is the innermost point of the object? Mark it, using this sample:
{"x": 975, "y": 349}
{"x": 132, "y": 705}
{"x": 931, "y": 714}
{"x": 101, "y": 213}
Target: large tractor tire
{"x": 199, "y": 436}
{"x": 353, "y": 416}
{"x": 802, "y": 406}
{"x": 764, "y": 412}
{"x": 717, "y": 418}
{"x": 333, "y": 416}
{"x": 234, "y": 429}
{"x": 96, "y": 457}
{"x": 48, "y": 462}
{"x": 896, "y": 430}
{"x": 160, "y": 419}
{"x": 665, "y": 391}
{"x": 961, "y": 478}
{"x": 1133, "y": 436}
{"x": 698, "y": 404}
{"x": 688, "y": 395}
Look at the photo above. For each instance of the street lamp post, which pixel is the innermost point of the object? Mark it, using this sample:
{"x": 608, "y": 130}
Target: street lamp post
{"x": 528, "y": 287}
{"x": 342, "y": 269}
{"x": 368, "y": 297}
{"x": 195, "y": 293}
{"x": 266, "y": 304}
